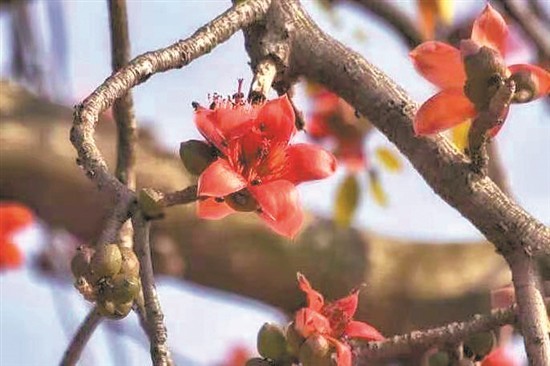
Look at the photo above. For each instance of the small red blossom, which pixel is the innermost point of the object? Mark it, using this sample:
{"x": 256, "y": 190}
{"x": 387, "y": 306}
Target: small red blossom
{"x": 498, "y": 357}
{"x": 13, "y": 217}
{"x": 257, "y": 169}
{"x": 462, "y": 95}
{"x": 237, "y": 356}
{"x": 334, "y": 119}
{"x": 333, "y": 320}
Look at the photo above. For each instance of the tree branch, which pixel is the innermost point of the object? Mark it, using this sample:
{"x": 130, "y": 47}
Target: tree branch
{"x": 73, "y": 352}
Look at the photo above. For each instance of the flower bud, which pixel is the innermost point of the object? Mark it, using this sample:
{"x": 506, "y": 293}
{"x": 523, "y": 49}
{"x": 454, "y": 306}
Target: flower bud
{"x": 271, "y": 342}
{"x": 121, "y": 289}
{"x": 80, "y": 264}
{"x": 485, "y": 74}
{"x": 85, "y": 289}
{"x": 242, "y": 201}
{"x": 106, "y": 261}
{"x": 196, "y": 156}
{"x": 130, "y": 262}
{"x": 479, "y": 344}
{"x": 114, "y": 311}
{"x": 315, "y": 351}
{"x": 439, "y": 359}
{"x": 526, "y": 88}
{"x": 293, "y": 339}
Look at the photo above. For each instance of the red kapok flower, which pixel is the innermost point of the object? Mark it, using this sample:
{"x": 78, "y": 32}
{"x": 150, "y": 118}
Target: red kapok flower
{"x": 257, "y": 170}
{"x": 498, "y": 357}
{"x": 333, "y": 118}
{"x": 13, "y": 217}
{"x": 333, "y": 320}
{"x": 469, "y": 77}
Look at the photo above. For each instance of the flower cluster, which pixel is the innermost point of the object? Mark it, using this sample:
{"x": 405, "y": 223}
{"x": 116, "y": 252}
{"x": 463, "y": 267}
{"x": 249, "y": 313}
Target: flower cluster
{"x": 13, "y": 217}
{"x": 251, "y": 166}
{"x": 470, "y": 77}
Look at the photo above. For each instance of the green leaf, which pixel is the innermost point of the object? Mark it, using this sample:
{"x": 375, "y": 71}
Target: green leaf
{"x": 347, "y": 201}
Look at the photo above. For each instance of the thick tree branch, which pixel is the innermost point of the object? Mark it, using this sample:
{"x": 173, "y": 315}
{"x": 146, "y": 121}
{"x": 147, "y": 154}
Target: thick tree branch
{"x": 87, "y": 328}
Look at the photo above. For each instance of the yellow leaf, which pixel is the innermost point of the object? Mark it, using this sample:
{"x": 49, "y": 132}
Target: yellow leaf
{"x": 459, "y": 135}
{"x": 376, "y": 189}
{"x": 389, "y": 159}
{"x": 347, "y": 201}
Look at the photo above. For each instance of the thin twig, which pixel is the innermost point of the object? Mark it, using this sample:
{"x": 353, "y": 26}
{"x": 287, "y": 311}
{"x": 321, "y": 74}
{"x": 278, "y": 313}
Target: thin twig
{"x": 160, "y": 354}
{"x": 73, "y": 352}
{"x": 185, "y": 196}
{"x": 423, "y": 340}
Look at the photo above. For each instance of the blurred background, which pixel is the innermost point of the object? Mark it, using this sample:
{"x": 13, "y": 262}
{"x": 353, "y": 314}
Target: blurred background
{"x": 423, "y": 264}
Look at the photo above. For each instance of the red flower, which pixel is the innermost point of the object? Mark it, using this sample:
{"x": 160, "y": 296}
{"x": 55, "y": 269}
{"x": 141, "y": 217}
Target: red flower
{"x": 257, "y": 170}
{"x": 498, "y": 357}
{"x": 333, "y": 118}
{"x": 333, "y": 320}
{"x": 13, "y": 217}
{"x": 237, "y": 356}
{"x": 467, "y": 89}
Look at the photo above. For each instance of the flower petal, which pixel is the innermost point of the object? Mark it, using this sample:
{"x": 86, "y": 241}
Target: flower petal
{"x": 498, "y": 357}
{"x": 307, "y": 162}
{"x": 308, "y": 322}
{"x": 439, "y": 63}
{"x": 540, "y": 76}
{"x": 356, "y": 329}
{"x": 442, "y": 111}
{"x": 219, "y": 180}
{"x": 490, "y": 30}
{"x": 275, "y": 120}
{"x": 315, "y": 300}
{"x": 10, "y": 255}
{"x": 281, "y": 209}
{"x": 348, "y": 304}
{"x": 211, "y": 210}
{"x": 343, "y": 352}
{"x": 13, "y": 217}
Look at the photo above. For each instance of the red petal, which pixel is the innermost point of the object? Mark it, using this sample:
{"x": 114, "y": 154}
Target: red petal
{"x": 540, "y": 76}
{"x": 440, "y": 63}
{"x": 275, "y": 120}
{"x": 10, "y": 255}
{"x": 315, "y": 300}
{"x": 307, "y": 162}
{"x": 498, "y": 357}
{"x": 211, "y": 210}
{"x": 308, "y": 322}
{"x": 281, "y": 209}
{"x": 317, "y": 127}
{"x": 219, "y": 180}
{"x": 348, "y": 304}
{"x": 356, "y": 329}
{"x": 343, "y": 352}
{"x": 490, "y": 30}
{"x": 442, "y": 111}
{"x": 13, "y": 216}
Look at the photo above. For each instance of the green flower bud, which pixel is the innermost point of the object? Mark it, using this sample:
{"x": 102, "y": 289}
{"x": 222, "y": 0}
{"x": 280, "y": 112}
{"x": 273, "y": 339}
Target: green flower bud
{"x": 85, "y": 289}
{"x": 80, "y": 264}
{"x": 479, "y": 344}
{"x": 130, "y": 262}
{"x": 271, "y": 342}
{"x": 315, "y": 351}
{"x": 439, "y": 359}
{"x": 196, "y": 156}
{"x": 485, "y": 74}
{"x": 121, "y": 289}
{"x": 242, "y": 201}
{"x": 114, "y": 311}
{"x": 293, "y": 339}
{"x": 106, "y": 261}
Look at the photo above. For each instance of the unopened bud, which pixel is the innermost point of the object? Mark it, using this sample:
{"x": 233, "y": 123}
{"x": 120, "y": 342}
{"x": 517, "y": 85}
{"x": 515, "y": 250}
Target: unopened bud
{"x": 114, "y": 311}
{"x": 315, "y": 351}
{"x": 130, "y": 262}
{"x": 121, "y": 289}
{"x": 80, "y": 264}
{"x": 242, "y": 201}
{"x": 85, "y": 289}
{"x": 196, "y": 156}
{"x": 439, "y": 359}
{"x": 485, "y": 75}
{"x": 294, "y": 339}
{"x": 271, "y": 342}
{"x": 479, "y": 344}
{"x": 106, "y": 261}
